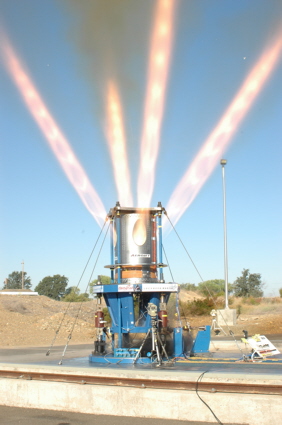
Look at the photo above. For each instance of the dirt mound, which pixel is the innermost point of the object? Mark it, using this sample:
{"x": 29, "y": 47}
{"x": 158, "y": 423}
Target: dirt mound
{"x": 16, "y": 306}
{"x": 189, "y": 296}
{"x": 34, "y": 320}
{"x": 27, "y": 320}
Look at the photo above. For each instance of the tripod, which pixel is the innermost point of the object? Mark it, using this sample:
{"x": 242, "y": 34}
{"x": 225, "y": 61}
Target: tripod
{"x": 156, "y": 340}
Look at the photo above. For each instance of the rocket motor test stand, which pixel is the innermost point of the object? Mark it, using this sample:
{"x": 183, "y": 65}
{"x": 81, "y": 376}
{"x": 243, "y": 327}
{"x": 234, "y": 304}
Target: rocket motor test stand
{"x": 138, "y": 295}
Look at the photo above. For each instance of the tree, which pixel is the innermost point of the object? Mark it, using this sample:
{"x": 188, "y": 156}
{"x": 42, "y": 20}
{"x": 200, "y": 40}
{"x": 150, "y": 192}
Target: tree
{"x": 248, "y": 285}
{"x": 53, "y": 286}
{"x": 14, "y": 281}
{"x": 73, "y": 294}
{"x": 214, "y": 287}
{"x": 188, "y": 286}
{"x": 104, "y": 280}
{"x": 69, "y": 289}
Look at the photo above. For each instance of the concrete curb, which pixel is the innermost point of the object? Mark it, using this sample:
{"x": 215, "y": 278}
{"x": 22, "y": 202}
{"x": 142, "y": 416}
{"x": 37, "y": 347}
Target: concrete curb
{"x": 143, "y": 402}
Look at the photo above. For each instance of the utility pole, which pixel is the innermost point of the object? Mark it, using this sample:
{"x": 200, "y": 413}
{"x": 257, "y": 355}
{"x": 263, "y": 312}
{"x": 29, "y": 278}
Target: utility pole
{"x": 223, "y": 162}
{"x": 23, "y": 274}
{"x": 227, "y": 316}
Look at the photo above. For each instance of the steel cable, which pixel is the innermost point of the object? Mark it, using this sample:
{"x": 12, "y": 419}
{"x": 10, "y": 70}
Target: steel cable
{"x": 210, "y": 294}
{"x": 79, "y": 309}
{"x": 177, "y": 294}
{"x": 68, "y": 306}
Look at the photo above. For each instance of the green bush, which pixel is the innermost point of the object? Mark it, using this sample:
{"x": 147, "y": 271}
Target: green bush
{"x": 188, "y": 286}
{"x": 74, "y": 296}
{"x": 280, "y": 292}
{"x": 197, "y": 307}
{"x": 213, "y": 288}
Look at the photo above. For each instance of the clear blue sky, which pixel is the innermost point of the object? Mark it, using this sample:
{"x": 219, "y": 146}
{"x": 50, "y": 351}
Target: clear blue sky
{"x": 70, "y": 49}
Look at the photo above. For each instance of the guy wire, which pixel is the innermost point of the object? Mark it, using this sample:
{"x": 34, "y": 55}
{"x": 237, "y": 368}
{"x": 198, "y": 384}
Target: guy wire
{"x": 177, "y": 293}
{"x": 184, "y": 246}
{"x": 168, "y": 263}
{"x": 68, "y": 305}
{"x": 79, "y": 309}
{"x": 210, "y": 294}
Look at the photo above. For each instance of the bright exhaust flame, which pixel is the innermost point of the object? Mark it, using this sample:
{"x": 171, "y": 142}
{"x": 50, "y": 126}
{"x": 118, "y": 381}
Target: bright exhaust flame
{"x": 54, "y": 136}
{"x": 215, "y": 145}
{"x": 117, "y": 145}
{"x": 155, "y": 98}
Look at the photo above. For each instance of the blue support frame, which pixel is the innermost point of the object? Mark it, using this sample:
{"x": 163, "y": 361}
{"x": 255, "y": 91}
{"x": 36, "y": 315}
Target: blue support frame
{"x": 202, "y": 341}
{"x": 160, "y": 247}
{"x": 121, "y": 307}
{"x": 118, "y": 247}
{"x": 112, "y": 253}
{"x": 149, "y": 283}
{"x": 178, "y": 343}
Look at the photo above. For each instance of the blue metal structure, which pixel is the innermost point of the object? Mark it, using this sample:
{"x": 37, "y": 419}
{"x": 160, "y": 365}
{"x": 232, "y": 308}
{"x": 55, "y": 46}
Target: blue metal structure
{"x": 137, "y": 296}
{"x": 202, "y": 341}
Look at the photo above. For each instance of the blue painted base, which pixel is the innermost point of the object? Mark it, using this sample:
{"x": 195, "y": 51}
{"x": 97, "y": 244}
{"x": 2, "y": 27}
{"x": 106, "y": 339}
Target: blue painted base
{"x": 115, "y": 360}
{"x": 202, "y": 341}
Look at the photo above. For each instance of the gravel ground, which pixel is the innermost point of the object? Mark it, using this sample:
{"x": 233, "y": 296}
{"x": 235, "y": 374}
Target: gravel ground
{"x": 34, "y": 320}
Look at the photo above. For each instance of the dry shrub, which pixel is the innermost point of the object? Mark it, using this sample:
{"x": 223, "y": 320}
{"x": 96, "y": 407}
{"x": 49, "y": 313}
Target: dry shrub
{"x": 197, "y": 307}
{"x": 251, "y": 300}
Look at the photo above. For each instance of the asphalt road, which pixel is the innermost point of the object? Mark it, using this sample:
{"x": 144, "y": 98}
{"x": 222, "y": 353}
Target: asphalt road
{"x": 77, "y": 356}
{"x": 21, "y": 416}
{"x": 24, "y": 355}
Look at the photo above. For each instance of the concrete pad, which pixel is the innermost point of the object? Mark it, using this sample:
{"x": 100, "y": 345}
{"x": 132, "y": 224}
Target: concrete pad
{"x": 144, "y": 402}
{"x": 226, "y": 317}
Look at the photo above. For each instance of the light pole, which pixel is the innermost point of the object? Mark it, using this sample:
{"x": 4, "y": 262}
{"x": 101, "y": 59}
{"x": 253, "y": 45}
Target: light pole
{"x": 223, "y": 162}
{"x": 23, "y": 274}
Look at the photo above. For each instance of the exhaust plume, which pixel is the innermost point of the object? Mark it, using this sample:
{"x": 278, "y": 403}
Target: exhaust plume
{"x": 218, "y": 141}
{"x": 55, "y": 138}
{"x": 117, "y": 145}
{"x": 159, "y": 61}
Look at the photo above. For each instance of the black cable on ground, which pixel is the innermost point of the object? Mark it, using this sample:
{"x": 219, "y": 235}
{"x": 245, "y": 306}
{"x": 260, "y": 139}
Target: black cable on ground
{"x": 206, "y": 404}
